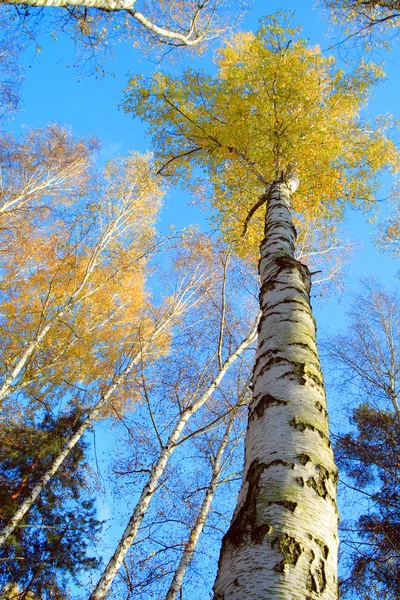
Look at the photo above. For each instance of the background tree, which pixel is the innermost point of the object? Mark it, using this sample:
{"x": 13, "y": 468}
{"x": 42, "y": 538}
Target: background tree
{"x": 214, "y": 347}
{"x": 372, "y": 21}
{"x": 73, "y": 255}
{"x": 96, "y": 25}
{"x": 274, "y": 104}
{"x": 52, "y": 545}
{"x": 366, "y": 363}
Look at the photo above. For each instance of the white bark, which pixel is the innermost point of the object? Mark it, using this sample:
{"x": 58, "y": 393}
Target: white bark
{"x": 282, "y": 541}
{"x": 187, "y": 554}
{"x": 191, "y": 38}
{"x": 157, "y": 470}
{"x": 82, "y": 291}
{"x": 68, "y": 446}
{"x": 88, "y": 421}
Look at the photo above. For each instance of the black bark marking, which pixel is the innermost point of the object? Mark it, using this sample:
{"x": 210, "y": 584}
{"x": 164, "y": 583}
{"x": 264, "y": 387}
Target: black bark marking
{"x": 278, "y": 360}
{"x": 318, "y": 484}
{"x": 291, "y": 550}
{"x": 261, "y": 357}
{"x": 286, "y": 262}
{"x": 317, "y": 578}
{"x": 300, "y": 481}
{"x": 301, "y": 426}
{"x": 270, "y": 309}
{"x": 263, "y": 404}
{"x": 323, "y": 546}
{"x": 267, "y": 286}
{"x": 300, "y": 371}
{"x": 278, "y": 461}
{"x": 236, "y": 582}
{"x": 268, "y": 338}
{"x": 321, "y": 409}
{"x": 303, "y": 459}
{"x": 244, "y": 524}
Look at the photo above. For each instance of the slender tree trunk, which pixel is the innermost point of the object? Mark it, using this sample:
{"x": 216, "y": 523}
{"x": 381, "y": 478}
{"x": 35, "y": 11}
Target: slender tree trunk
{"x": 157, "y": 471}
{"x": 65, "y": 450}
{"x": 187, "y": 554}
{"x": 282, "y": 542}
{"x": 92, "y": 415}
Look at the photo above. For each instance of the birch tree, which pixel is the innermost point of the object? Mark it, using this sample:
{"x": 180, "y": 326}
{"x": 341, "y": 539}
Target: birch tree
{"x": 61, "y": 263}
{"x": 190, "y": 498}
{"x": 217, "y": 465}
{"x": 207, "y": 384}
{"x": 95, "y": 25}
{"x": 277, "y": 114}
{"x": 75, "y": 318}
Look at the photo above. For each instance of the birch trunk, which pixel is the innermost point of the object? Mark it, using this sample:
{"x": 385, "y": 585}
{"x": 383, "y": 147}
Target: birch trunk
{"x": 66, "y": 449}
{"x": 157, "y": 471}
{"x": 88, "y": 421}
{"x": 187, "y": 554}
{"x": 282, "y": 541}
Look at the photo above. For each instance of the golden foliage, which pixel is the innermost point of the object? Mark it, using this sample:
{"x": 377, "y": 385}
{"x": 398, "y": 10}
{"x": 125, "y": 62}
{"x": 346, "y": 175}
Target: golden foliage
{"x": 275, "y": 104}
{"x": 73, "y": 249}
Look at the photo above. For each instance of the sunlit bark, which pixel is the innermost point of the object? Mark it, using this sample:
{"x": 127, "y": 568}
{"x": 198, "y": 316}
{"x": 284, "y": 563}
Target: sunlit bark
{"x": 196, "y": 531}
{"x": 282, "y": 541}
{"x": 196, "y": 26}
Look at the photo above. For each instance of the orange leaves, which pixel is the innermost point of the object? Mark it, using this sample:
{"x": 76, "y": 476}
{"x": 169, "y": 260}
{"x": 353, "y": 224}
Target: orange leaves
{"x": 73, "y": 250}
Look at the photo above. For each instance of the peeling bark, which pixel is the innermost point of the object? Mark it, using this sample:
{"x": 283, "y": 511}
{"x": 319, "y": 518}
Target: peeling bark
{"x": 282, "y": 541}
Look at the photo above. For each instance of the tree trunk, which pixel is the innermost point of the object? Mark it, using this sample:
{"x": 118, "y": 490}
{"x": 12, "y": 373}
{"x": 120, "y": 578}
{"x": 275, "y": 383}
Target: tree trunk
{"x": 65, "y": 450}
{"x": 92, "y": 415}
{"x": 197, "y": 529}
{"x": 157, "y": 471}
{"x": 282, "y": 541}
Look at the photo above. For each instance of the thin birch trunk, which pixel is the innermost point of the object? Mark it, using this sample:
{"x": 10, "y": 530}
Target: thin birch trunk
{"x": 66, "y": 449}
{"x": 75, "y": 299}
{"x": 282, "y": 541}
{"x": 157, "y": 471}
{"x": 197, "y": 529}
{"x": 74, "y": 439}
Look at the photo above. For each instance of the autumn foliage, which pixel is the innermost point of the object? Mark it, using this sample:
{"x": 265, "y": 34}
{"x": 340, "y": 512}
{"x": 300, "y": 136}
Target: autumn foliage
{"x": 274, "y": 105}
{"x": 73, "y": 254}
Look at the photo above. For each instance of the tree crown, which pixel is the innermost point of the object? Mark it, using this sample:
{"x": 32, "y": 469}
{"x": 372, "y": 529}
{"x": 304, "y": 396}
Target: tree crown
{"x": 274, "y": 104}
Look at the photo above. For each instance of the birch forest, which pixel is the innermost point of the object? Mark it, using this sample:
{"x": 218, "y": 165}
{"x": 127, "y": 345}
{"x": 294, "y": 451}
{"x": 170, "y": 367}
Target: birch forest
{"x": 199, "y": 300}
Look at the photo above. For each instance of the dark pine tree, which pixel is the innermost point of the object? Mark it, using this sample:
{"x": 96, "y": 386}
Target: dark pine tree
{"x": 51, "y": 547}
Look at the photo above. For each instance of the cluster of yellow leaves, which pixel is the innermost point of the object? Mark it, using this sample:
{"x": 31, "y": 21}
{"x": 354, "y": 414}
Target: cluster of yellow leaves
{"x": 73, "y": 249}
{"x": 274, "y": 104}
